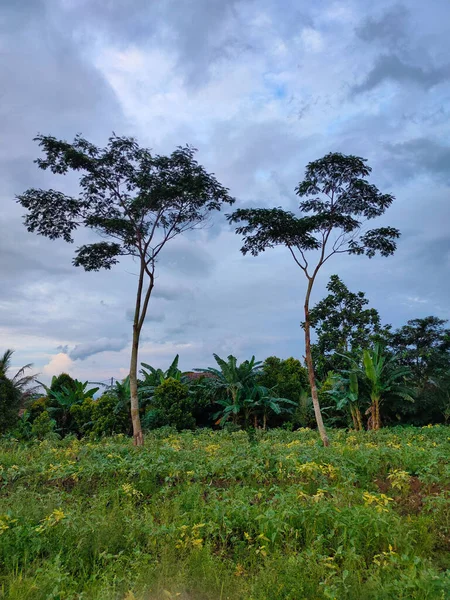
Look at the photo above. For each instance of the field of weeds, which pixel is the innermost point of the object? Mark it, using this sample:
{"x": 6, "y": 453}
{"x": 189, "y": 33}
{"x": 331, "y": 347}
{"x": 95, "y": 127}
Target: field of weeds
{"x": 216, "y": 515}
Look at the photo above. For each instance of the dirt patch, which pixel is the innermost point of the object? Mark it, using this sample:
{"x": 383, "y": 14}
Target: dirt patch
{"x": 410, "y": 502}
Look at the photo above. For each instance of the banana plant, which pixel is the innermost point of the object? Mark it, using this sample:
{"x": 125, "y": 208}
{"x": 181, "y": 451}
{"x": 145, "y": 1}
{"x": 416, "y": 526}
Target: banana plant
{"x": 266, "y": 403}
{"x": 62, "y": 401}
{"x": 229, "y": 385}
{"x": 385, "y": 378}
{"x": 155, "y": 377}
{"x": 345, "y": 393}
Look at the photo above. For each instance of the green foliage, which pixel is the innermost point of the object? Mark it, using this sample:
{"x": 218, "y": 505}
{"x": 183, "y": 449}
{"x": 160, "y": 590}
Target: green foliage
{"x": 81, "y": 416}
{"x": 343, "y": 324}
{"x": 25, "y": 385}
{"x": 172, "y": 402}
{"x": 152, "y": 378}
{"x": 344, "y": 391}
{"x": 288, "y": 376}
{"x": 101, "y": 417}
{"x": 385, "y": 380}
{"x": 231, "y": 386}
{"x": 64, "y": 380}
{"x": 38, "y": 406}
{"x": 43, "y": 426}
{"x": 289, "y": 379}
{"x": 338, "y": 197}
{"x": 62, "y": 402}
{"x": 108, "y": 418}
{"x": 137, "y": 201}
{"x": 208, "y": 514}
{"x": 202, "y": 405}
{"x": 9, "y": 404}
{"x": 423, "y": 345}
{"x": 159, "y": 193}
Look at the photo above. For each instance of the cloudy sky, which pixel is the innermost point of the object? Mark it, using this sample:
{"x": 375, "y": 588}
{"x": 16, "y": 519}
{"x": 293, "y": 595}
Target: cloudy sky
{"x": 260, "y": 87}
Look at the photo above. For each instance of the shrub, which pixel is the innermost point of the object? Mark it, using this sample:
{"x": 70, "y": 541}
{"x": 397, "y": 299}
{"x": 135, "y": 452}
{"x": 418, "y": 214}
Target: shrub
{"x": 108, "y": 418}
{"x": 171, "y": 399}
{"x": 43, "y": 425}
{"x": 82, "y": 416}
{"x": 37, "y": 407}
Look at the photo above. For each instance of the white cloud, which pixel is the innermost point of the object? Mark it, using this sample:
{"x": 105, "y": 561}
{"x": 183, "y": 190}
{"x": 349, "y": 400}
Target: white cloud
{"x": 312, "y": 40}
{"x": 59, "y": 363}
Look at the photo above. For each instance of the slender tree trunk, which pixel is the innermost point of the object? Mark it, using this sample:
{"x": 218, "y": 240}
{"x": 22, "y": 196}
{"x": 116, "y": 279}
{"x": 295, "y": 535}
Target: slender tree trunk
{"x": 138, "y": 438}
{"x": 353, "y": 414}
{"x": 359, "y": 419}
{"x": 137, "y": 429}
{"x": 377, "y": 413}
{"x": 264, "y": 421}
{"x": 374, "y": 414}
{"x": 309, "y": 364}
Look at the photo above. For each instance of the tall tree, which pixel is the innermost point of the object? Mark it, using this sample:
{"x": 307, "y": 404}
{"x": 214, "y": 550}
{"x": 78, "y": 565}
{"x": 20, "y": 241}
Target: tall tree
{"x": 337, "y": 198}
{"x": 137, "y": 200}
{"x": 342, "y": 324}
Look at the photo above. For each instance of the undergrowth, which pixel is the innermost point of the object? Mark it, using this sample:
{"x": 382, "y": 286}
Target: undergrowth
{"x": 215, "y": 515}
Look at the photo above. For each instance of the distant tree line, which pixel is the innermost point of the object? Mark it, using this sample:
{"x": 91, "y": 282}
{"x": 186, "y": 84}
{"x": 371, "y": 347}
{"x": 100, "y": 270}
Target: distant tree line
{"x": 358, "y": 371}
{"x": 368, "y": 376}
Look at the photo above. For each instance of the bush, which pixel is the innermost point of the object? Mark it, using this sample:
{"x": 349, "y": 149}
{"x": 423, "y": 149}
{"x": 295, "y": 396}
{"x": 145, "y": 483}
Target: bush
{"x": 107, "y": 418}
{"x": 171, "y": 400}
{"x": 82, "y": 416}
{"x": 43, "y": 426}
{"x": 37, "y": 407}
{"x": 9, "y": 404}
{"x": 100, "y": 417}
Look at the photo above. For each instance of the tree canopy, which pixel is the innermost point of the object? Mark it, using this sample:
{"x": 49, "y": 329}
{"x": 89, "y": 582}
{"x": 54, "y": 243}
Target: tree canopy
{"x": 343, "y": 324}
{"x": 137, "y": 201}
{"x": 336, "y": 201}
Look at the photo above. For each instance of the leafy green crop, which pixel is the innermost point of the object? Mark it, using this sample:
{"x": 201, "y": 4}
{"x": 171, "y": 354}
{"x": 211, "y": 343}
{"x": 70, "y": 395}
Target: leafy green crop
{"x": 216, "y": 515}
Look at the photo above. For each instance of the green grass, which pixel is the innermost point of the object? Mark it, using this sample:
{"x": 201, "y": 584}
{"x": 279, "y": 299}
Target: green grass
{"x": 213, "y": 515}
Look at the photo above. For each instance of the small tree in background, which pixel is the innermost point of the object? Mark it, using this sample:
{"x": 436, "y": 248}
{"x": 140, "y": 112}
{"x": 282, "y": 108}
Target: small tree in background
{"x": 171, "y": 405}
{"x": 337, "y": 199}
{"x": 289, "y": 379}
{"x": 343, "y": 324}
{"x": 63, "y": 380}
{"x": 136, "y": 200}
{"x": 423, "y": 345}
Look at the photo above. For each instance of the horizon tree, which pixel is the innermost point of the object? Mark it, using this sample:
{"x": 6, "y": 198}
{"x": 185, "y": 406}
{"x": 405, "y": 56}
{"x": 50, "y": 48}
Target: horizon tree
{"x": 336, "y": 198}
{"x": 343, "y": 324}
{"x": 136, "y": 200}
{"x": 424, "y": 346}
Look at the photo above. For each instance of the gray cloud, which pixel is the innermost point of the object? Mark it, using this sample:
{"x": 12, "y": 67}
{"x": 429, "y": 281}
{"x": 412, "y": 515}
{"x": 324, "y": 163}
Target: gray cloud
{"x": 252, "y": 85}
{"x": 422, "y": 155}
{"x": 391, "y": 68}
{"x": 389, "y": 28}
{"x": 83, "y": 351}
